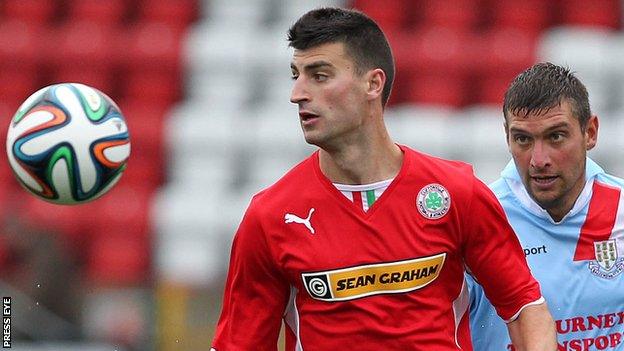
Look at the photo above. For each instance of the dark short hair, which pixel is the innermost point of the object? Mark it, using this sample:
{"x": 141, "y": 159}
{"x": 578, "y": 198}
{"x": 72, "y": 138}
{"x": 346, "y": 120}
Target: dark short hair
{"x": 544, "y": 86}
{"x": 364, "y": 41}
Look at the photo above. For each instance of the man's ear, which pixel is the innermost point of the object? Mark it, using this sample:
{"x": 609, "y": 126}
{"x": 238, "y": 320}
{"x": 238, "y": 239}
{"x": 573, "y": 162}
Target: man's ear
{"x": 591, "y": 132}
{"x": 375, "y": 81}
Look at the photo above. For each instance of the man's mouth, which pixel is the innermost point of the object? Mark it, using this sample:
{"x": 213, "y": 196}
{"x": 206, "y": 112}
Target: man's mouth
{"x": 307, "y": 116}
{"x": 543, "y": 179}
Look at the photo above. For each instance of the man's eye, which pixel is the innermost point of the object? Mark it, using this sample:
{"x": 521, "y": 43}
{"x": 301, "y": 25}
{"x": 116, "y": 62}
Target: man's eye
{"x": 320, "y": 77}
{"x": 556, "y": 137}
{"x": 294, "y": 77}
{"x": 521, "y": 139}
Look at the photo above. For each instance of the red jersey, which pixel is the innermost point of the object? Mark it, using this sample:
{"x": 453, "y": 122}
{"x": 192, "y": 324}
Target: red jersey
{"x": 391, "y": 278}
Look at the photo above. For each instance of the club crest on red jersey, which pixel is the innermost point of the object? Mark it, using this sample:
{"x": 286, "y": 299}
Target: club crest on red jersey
{"x": 608, "y": 264}
{"x": 433, "y": 201}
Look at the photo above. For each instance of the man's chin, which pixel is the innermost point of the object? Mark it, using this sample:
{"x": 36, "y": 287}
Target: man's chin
{"x": 545, "y": 201}
{"x": 311, "y": 140}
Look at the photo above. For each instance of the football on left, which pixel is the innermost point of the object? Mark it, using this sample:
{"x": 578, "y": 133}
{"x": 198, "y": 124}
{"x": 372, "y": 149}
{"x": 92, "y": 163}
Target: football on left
{"x": 68, "y": 143}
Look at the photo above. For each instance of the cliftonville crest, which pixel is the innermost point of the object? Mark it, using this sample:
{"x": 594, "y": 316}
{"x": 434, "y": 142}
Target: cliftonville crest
{"x": 433, "y": 201}
{"x": 608, "y": 264}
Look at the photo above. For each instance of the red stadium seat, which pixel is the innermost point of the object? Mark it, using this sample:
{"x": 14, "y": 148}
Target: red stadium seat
{"x": 531, "y": 16}
{"x": 153, "y": 47}
{"x": 400, "y": 88}
{"x": 158, "y": 88}
{"x": 84, "y": 52}
{"x": 70, "y": 222}
{"x": 17, "y": 85}
{"x": 437, "y": 50}
{"x": 146, "y": 165}
{"x": 403, "y": 46}
{"x": 118, "y": 259}
{"x": 122, "y": 240}
{"x": 5, "y": 253}
{"x": 457, "y": 14}
{"x": 177, "y": 13}
{"x": 8, "y": 235}
{"x": 389, "y": 15}
{"x": 5, "y": 192}
{"x": 605, "y": 13}
{"x": 437, "y": 62}
{"x": 83, "y": 44}
{"x": 438, "y": 90}
{"x": 21, "y": 44}
{"x": 35, "y": 12}
{"x": 109, "y": 12}
{"x": 7, "y": 179}
{"x": 21, "y": 52}
{"x": 99, "y": 78}
{"x": 143, "y": 171}
{"x": 145, "y": 123}
{"x": 6, "y": 113}
{"x": 502, "y": 55}
{"x": 505, "y": 52}
{"x": 491, "y": 90}
{"x": 153, "y": 64}
{"x": 125, "y": 209}
{"x": 135, "y": 110}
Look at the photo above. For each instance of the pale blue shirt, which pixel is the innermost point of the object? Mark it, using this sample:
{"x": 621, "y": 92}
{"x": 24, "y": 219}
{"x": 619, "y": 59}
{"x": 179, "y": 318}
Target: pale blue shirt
{"x": 585, "y": 296}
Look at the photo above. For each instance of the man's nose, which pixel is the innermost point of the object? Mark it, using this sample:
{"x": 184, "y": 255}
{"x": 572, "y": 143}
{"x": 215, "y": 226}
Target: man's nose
{"x": 299, "y": 92}
{"x": 540, "y": 155}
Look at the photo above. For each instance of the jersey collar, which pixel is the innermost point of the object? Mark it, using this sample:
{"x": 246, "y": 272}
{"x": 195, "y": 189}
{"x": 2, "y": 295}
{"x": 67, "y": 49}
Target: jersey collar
{"x": 405, "y": 167}
{"x": 512, "y": 178}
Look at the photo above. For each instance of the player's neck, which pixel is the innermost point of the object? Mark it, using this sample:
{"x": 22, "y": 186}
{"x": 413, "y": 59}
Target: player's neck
{"x": 367, "y": 162}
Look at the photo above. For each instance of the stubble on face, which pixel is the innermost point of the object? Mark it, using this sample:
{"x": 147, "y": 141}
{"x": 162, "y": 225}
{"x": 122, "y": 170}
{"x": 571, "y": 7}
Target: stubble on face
{"x": 549, "y": 151}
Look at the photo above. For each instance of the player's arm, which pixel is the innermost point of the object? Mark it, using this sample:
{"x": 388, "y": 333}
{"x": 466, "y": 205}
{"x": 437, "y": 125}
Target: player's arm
{"x": 533, "y": 329}
{"x": 255, "y": 295}
{"x": 496, "y": 259}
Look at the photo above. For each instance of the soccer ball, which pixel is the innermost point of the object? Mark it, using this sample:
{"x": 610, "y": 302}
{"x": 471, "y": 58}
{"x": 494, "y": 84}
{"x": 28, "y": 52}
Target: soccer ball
{"x": 68, "y": 143}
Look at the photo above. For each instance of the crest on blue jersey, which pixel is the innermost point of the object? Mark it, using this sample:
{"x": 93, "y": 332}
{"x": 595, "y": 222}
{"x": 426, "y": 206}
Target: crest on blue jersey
{"x": 608, "y": 264}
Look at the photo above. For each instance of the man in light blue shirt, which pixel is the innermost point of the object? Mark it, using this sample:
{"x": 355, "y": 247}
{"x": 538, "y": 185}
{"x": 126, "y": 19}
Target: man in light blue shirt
{"x": 567, "y": 212}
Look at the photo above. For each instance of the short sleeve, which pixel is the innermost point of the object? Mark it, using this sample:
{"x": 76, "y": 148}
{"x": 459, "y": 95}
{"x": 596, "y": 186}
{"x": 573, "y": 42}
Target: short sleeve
{"x": 494, "y": 256}
{"x": 255, "y": 295}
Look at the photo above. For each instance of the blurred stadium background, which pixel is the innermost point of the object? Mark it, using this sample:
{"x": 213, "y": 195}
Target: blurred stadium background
{"x": 204, "y": 86}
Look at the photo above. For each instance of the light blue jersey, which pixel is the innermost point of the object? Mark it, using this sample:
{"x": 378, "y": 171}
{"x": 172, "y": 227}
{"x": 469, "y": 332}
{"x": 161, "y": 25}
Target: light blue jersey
{"x": 579, "y": 263}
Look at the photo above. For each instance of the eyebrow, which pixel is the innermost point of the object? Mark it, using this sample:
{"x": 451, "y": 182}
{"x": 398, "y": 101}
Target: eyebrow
{"x": 312, "y": 66}
{"x": 551, "y": 128}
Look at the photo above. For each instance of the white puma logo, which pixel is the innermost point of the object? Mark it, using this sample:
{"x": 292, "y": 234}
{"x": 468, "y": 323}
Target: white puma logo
{"x": 291, "y": 218}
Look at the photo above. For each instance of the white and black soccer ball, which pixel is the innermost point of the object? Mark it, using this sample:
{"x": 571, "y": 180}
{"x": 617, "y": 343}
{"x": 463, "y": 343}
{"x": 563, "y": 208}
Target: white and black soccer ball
{"x": 68, "y": 143}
